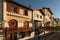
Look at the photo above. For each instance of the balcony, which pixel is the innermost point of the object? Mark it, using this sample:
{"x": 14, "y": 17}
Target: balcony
{"x": 16, "y": 30}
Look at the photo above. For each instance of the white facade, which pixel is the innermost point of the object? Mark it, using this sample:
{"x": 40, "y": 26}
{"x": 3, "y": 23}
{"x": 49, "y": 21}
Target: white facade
{"x": 37, "y": 15}
{"x": 48, "y": 16}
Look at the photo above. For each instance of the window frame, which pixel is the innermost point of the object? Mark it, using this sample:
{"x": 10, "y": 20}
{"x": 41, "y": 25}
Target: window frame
{"x": 37, "y": 16}
{"x": 13, "y": 9}
{"x": 26, "y": 12}
{"x": 40, "y": 17}
{"x": 26, "y": 24}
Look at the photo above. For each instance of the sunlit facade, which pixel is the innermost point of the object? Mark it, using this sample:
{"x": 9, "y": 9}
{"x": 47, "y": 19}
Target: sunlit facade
{"x": 15, "y": 17}
{"x": 48, "y": 16}
{"x": 19, "y": 22}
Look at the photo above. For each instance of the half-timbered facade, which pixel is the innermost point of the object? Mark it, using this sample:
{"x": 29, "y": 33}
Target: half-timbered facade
{"x": 17, "y": 19}
{"x": 38, "y": 17}
{"x": 54, "y": 22}
{"x": 19, "y": 22}
{"x": 48, "y": 16}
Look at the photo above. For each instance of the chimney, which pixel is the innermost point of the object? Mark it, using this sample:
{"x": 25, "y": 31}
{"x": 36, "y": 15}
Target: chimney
{"x": 29, "y": 6}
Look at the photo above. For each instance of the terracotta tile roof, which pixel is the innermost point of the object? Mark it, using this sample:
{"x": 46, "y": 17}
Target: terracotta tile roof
{"x": 18, "y": 4}
{"x": 48, "y": 9}
{"x": 40, "y": 11}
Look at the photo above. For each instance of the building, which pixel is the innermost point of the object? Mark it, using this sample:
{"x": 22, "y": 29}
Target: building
{"x": 54, "y": 22}
{"x": 48, "y": 16}
{"x": 19, "y": 22}
{"x": 58, "y": 21}
{"x": 38, "y": 17}
{"x": 16, "y": 19}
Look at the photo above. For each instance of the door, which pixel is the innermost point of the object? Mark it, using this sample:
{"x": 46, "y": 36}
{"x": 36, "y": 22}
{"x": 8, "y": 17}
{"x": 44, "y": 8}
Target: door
{"x": 7, "y": 36}
{"x": 15, "y": 36}
{"x": 11, "y": 36}
{"x": 47, "y": 24}
{"x": 35, "y": 23}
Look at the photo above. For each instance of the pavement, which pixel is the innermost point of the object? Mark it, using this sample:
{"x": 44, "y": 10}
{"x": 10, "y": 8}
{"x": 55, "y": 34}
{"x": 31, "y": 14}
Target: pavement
{"x": 55, "y": 36}
{"x": 49, "y": 36}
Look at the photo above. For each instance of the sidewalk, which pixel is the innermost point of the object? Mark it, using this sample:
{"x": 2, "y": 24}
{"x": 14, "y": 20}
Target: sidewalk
{"x": 41, "y": 37}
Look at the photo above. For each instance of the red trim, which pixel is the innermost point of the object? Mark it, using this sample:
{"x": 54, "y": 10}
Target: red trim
{"x": 20, "y": 5}
{"x": 12, "y": 23}
{"x": 8, "y": 7}
{"x": 18, "y": 10}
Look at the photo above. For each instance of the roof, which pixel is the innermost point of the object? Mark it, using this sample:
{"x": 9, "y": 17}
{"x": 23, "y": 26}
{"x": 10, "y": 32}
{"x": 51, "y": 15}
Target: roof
{"x": 41, "y": 11}
{"x": 48, "y": 9}
{"x": 11, "y": 1}
{"x": 55, "y": 19}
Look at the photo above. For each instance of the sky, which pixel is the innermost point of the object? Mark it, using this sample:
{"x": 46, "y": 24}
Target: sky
{"x": 54, "y": 5}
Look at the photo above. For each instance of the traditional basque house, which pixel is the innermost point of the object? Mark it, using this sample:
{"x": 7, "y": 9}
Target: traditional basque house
{"x": 48, "y": 16}
{"x": 16, "y": 20}
{"x": 58, "y": 21}
{"x": 54, "y": 22}
{"x": 19, "y": 22}
{"x": 38, "y": 17}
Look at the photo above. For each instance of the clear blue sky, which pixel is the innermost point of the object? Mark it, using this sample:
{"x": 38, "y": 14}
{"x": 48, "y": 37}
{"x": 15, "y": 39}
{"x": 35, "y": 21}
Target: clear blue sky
{"x": 54, "y": 5}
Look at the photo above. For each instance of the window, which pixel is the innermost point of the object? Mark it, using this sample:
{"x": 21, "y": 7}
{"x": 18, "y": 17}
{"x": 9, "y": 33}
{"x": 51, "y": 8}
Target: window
{"x": 14, "y": 9}
{"x": 50, "y": 17}
{"x": 26, "y": 12}
{"x": 37, "y": 16}
{"x": 41, "y": 17}
{"x": 26, "y": 24}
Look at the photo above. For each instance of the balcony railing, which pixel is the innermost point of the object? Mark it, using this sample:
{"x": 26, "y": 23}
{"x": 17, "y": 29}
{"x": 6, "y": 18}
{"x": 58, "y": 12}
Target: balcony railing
{"x": 15, "y": 30}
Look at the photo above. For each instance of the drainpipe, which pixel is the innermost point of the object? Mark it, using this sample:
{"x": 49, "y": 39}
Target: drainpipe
{"x": 44, "y": 20}
{"x": 44, "y": 23}
{"x": 33, "y": 27}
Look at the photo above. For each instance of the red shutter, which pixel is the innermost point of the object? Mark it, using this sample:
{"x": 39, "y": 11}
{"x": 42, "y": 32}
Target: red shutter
{"x": 8, "y": 7}
{"x": 18, "y": 10}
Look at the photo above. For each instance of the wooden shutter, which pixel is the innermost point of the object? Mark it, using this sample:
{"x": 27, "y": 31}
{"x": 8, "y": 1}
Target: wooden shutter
{"x": 8, "y": 7}
{"x": 18, "y": 10}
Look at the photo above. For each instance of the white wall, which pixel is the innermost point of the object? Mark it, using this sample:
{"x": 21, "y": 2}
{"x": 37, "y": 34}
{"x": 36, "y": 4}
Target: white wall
{"x": 37, "y": 12}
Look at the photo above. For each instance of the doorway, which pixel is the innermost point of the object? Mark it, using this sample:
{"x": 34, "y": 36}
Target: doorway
{"x": 11, "y": 36}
